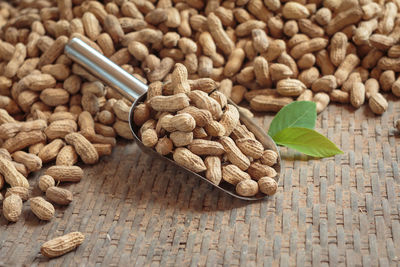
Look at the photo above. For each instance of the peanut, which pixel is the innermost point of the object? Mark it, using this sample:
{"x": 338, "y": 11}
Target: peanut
{"x": 122, "y": 129}
{"x": 395, "y": 87}
{"x": 247, "y": 188}
{"x": 179, "y": 79}
{"x": 52, "y": 53}
{"x": 307, "y": 95}
{"x": 189, "y": 160}
{"x": 261, "y": 71}
{"x": 31, "y": 161}
{"x": 121, "y": 110}
{"x": 201, "y": 100}
{"x": 54, "y": 97}
{"x": 5, "y": 117}
{"x": 293, "y": 10}
{"x": 324, "y": 62}
{"x": 16, "y": 61}
{"x": 62, "y": 245}
{"x": 260, "y": 40}
{"x": 11, "y": 175}
{"x": 214, "y": 128}
{"x": 169, "y": 103}
{"x": 62, "y": 116}
{"x": 357, "y": 94}
{"x": 310, "y": 46}
{"x": 325, "y": 84}
{"x": 83, "y": 148}
{"x": 149, "y": 137}
{"x": 339, "y": 96}
{"x": 41, "y": 208}
{"x": 213, "y": 172}
{"x": 386, "y": 80}
{"x": 346, "y": 67}
{"x": 10, "y": 129}
{"x": 230, "y": 119}
{"x": 237, "y": 93}
{"x": 280, "y": 71}
{"x": 209, "y": 49}
{"x": 181, "y": 122}
{"x": 45, "y": 182}
{"x": 65, "y": 173}
{"x": 343, "y": 19}
{"x": 322, "y": 100}
{"x": 35, "y": 149}
{"x": 234, "y": 154}
{"x": 59, "y": 196}
{"x": 22, "y": 192}
{"x": 250, "y": 147}
{"x": 104, "y": 130}
{"x": 86, "y": 123}
{"x": 12, "y": 207}
{"x": 233, "y": 174}
{"x": 180, "y": 139}
{"x": 205, "y": 147}
{"x": 221, "y": 38}
{"x": 290, "y": 87}
{"x": 378, "y": 104}
{"x": 164, "y": 146}
{"x": 234, "y": 62}
{"x": 258, "y": 170}
{"x": 201, "y": 116}
{"x": 60, "y": 128}
{"x": 353, "y": 78}
{"x": 267, "y": 185}
{"x": 159, "y": 72}
{"x": 269, "y": 102}
{"x": 50, "y": 151}
{"x": 103, "y": 149}
{"x": 220, "y": 98}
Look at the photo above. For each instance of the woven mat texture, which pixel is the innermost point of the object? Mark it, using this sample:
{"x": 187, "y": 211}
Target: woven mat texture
{"x": 138, "y": 211}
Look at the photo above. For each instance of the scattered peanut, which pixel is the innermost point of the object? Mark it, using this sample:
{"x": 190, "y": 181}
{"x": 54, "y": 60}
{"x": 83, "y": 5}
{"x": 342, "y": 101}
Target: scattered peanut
{"x": 11, "y": 175}
{"x": 267, "y": 185}
{"x": 12, "y": 207}
{"x": 62, "y": 244}
{"x": 45, "y": 182}
{"x": 22, "y": 192}
{"x": 83, "y": 148}
{"x": 59, "y": 195}
{"x": 65, "y": 173}
{"x": 41, "y": 208}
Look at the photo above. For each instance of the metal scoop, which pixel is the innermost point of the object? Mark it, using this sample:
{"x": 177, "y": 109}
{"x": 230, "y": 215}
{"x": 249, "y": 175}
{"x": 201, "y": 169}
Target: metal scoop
{"x": 136, "y": 91}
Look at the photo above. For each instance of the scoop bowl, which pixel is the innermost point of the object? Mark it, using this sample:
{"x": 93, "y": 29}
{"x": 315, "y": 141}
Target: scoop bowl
{"x": 136, "y": 91}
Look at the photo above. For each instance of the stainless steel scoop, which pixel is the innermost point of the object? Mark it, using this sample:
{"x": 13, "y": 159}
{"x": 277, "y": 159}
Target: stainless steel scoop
{"x": 136, "y": 91}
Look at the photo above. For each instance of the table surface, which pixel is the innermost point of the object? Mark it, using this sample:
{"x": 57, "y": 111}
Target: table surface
{"x": 135, "y": 210}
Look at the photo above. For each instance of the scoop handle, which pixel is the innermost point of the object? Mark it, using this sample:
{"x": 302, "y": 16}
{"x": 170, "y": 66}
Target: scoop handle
{"x": 104, "y": 69}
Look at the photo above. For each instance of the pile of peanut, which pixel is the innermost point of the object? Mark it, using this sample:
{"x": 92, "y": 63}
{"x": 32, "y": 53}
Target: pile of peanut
{"x": 51, "y": 110}
{"x": 194, "y": 123}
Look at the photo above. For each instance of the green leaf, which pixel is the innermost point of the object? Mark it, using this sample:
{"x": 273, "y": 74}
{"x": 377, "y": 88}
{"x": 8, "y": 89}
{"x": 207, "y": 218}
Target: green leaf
{"x": 295, "y": 114}
{"x": 307, "y": 141}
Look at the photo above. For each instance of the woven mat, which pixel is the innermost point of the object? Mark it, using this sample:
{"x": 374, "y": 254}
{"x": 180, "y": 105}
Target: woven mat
{"x": 138, "y": 211}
